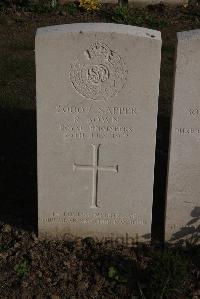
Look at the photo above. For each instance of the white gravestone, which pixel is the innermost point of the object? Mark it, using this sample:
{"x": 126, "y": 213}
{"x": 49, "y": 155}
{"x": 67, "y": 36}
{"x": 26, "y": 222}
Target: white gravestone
{"x": 97, "y": 93}
{"x": 183, "y": 194}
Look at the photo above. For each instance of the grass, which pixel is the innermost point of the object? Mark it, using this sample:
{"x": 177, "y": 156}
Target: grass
{"x": 21, "y": 269}
{"x": 70, "y": 8}
{"x": 137, "y": 17}
{"x": 3, "y": 248}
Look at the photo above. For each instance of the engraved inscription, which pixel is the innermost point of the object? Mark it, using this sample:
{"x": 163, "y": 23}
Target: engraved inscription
{"x": 97, "y": 122}
{"x": 115, "y": 111}
{"x": 95, "y": 169}
{"x": 186, "y": 131}
{"x": 95, "y": 131}
{"x": 99, "y": 73}
{"x": 102, "y": 218}
{"x": 195, "y": 112}
{"x": 93, "y": 221}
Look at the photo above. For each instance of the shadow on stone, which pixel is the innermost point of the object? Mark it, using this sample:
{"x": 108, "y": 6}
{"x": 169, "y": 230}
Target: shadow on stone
{"x": 18, "y": 172}
{"x": 18, "y": 180}
{"x": 191, "y": 232}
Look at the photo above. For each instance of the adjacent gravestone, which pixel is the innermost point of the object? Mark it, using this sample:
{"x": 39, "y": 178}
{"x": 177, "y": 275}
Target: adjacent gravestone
{"x": 97, "y": 93}
{"x": 183, "y": 195}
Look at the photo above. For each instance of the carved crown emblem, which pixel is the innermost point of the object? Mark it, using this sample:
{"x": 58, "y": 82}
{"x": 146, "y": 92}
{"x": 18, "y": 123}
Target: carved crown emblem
{"x": 99, "y": 73}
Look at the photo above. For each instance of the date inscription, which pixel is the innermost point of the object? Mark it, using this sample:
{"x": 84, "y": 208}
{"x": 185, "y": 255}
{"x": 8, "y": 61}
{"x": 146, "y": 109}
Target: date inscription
{"x": 89, "y": 122}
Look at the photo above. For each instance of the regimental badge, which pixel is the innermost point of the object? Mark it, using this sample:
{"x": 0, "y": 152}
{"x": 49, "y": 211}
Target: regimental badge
{"x": 98, "y": 74}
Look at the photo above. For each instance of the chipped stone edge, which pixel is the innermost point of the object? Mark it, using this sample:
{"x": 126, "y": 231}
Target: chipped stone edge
{"x": 188, "y": 35}
{"x": 101, "y": 28}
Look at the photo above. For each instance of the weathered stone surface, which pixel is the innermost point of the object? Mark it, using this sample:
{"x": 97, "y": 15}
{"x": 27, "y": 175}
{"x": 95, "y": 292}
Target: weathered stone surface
{"x": 97, "y": 93}
{"x": 183, "y": 196}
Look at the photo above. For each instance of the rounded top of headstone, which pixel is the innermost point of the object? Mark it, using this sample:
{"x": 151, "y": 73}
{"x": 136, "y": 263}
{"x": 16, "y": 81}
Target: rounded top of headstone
{"x": 191, "y": 34}
{"x": 101, "y": 27}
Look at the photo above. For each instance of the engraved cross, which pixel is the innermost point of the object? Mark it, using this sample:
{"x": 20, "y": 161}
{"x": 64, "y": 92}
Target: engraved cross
{"x": 95, "y": 169}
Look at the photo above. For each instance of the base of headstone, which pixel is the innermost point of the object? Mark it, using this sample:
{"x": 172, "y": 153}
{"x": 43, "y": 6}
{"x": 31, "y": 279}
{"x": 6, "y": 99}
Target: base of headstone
{"x": 114, "y": 238}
